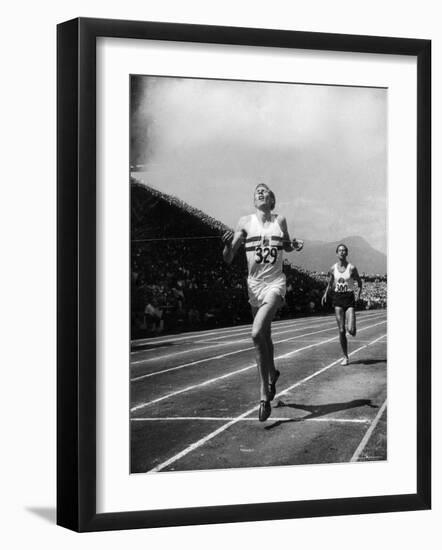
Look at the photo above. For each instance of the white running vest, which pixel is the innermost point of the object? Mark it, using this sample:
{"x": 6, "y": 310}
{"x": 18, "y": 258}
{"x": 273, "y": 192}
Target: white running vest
{"x": 343, "y": 281}
{"x": 264, "y": 249}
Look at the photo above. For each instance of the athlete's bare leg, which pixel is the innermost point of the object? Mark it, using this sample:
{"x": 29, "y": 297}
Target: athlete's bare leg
{"x": 340, "y": 319}
{"x": 351, "y": 321}
{"x": 261, "y": 335}
{"x": 272, "y": 370}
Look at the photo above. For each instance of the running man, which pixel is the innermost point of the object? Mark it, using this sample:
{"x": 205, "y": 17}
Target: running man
{"x": 341, "y": 278}
{"x": 265, "y": 236}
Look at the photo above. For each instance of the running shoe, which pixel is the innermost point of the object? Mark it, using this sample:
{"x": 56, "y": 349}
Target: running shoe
{"x": 264, "y": 410}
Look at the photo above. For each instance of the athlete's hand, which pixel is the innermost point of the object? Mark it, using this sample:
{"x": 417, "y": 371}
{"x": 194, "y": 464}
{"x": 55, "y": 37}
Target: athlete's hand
{"x": 227, "y": 238}
{"x": 298, "y": 244}
{"x": 323, "y": 300}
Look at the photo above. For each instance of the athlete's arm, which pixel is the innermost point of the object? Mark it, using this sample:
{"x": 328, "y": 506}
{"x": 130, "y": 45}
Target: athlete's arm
{"x": 357, "y": 278}
{"x": 288, "y": 244}
{"x": 233, "y": 240}
{"x": 330, "y": 278}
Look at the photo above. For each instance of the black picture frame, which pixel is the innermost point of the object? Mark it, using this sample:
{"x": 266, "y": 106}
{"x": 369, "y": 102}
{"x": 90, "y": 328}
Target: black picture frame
{"x": 76, "y": 273}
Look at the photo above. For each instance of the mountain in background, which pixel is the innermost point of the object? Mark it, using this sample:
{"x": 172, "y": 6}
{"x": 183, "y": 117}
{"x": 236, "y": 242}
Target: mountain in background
{"x": 319, "y": 256}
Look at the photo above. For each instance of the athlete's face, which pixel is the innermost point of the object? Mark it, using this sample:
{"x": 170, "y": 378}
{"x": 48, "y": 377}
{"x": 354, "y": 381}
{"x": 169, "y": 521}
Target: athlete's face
{"x": 262, "y": 196}
{"x": 342, "y": 252}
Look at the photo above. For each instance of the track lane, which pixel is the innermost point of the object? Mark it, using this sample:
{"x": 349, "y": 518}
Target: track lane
{"x": 164, "y": 362}
{"x": 155, "y": 442}
{"x": 160, "y": 348}
{"x": 146, "y": 390}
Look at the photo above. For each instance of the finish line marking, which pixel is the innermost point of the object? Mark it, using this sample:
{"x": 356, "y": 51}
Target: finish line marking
{"x": 228, "y": 419}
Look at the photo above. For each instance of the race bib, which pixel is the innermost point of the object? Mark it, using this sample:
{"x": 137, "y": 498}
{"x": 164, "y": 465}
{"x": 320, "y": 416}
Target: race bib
{"x": 266, "y": 255}
{"x": 341, "y": 286}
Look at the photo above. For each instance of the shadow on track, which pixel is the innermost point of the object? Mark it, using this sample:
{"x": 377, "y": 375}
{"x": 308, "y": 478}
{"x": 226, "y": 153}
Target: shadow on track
{"x": 318, "y": 410}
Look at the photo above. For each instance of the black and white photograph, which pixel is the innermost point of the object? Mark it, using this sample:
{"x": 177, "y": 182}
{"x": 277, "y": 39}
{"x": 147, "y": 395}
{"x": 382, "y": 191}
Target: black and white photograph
{"x": 224, "y": 212}
{"x": 258, "y": 274}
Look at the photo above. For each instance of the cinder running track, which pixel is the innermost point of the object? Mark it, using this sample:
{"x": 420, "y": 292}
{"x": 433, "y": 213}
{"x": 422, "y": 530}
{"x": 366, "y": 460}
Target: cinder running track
{"x": 194, "y": 397}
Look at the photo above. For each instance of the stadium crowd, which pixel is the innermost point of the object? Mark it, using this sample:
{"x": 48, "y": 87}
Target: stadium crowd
{"x": 374, "y": 293}
{"x": 181, "y": 284}
{"x": 179, "y": 281}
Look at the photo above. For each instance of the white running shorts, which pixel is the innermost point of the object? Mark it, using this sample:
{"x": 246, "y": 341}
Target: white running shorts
{"x": 259, "y": 290}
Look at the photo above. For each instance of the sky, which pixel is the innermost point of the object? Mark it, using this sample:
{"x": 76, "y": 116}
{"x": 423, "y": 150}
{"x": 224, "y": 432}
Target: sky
{"x": 321, "y": 149}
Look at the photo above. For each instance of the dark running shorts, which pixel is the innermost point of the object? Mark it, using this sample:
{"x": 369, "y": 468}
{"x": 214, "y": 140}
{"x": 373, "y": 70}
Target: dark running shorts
{"x": 343, "y": 299}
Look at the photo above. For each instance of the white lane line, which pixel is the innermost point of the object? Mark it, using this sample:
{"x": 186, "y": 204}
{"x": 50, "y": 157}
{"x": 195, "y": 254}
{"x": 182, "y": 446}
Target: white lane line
{"x": 288, "y": 327}
{"x": 228, "y": 354}
{"x": 186, "y": 335}
{"x": 182, "y": 352}
{"x": 244, "y": 328}
{"x": 209, "y": 340}
{"x": 368, "y": 434}
{"x": 189, "y": 388}
{"x": 210, "y": 358}
{"x": 243, "y": 369}
{"x": 228, "y": 343}
{"x": 338, "y": 420}
{"x": 278, "y": 332}
{"x": 171, "y": 339}
{"x": 209, "y": 346}
{"x": 250, "y": 419}
{"x": 283, "y": 392}
{"x": 204, "y": 333}
{"x": 224, "y": 427}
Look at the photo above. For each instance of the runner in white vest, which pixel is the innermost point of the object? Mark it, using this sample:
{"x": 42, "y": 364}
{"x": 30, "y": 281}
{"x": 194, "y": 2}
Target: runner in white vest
{"x": 265, "y": 236}
{"x": 341, "y": 278}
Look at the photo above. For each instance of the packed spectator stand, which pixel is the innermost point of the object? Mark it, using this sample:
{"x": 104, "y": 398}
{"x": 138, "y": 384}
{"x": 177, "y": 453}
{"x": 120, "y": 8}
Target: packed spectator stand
{"x": 179, "y": 281}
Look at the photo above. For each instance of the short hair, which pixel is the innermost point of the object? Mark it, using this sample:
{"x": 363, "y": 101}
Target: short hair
{"x": 344, "y": 245}
{"x": 271, "y": 193}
